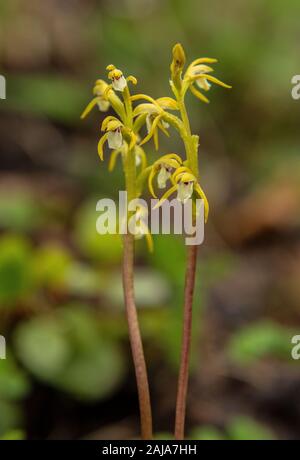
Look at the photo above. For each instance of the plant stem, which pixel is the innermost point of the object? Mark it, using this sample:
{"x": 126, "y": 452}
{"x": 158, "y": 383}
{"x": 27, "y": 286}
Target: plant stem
{"x": 192, "y": 157}
{"x": 135, "y": 339}
{"x": 186, "y": 342}
{"x": 191, "y": 152}
{"x": 128, "y": 286}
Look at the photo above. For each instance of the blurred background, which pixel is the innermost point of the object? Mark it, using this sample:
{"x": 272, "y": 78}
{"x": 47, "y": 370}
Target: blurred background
{"x": 68, "y": 372}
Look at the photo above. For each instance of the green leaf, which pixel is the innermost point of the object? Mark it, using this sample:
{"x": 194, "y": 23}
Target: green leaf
{"x": 207, "y": 433}
{"x": 259, "y": 340}
{"x": 15, "y": 269}
{"x": 97, "y": 366}
{"x": 50, "y": 264}
{"x": 95, "y": 374}
{"x": 82, "y": 279}
{"x": 20, "y": 212}
{"x": 42, "y": 347}
{"x": 169, "y": 256}
{"x": 68, "y": 351}
{"x": 245, "y": 428}
{"x": 59, "y": 98}
{"x": 14, "y": 385}
{"x": 10, "y": 416}
{"x": 13, "y": 435}
{"x": 101, "y": 248}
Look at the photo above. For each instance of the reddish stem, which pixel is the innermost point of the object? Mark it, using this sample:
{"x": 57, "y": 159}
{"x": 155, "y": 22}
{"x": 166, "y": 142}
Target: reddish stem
{"x": 135, "y": 339}
{"x": 186, "y": 342}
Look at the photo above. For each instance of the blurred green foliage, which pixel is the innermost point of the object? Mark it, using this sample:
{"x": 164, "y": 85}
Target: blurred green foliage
{"x": 67, "y": 350}
{"x": 240, "y": 428}
{"x": 264, "y": 339}
{"x": 15, "y": 270}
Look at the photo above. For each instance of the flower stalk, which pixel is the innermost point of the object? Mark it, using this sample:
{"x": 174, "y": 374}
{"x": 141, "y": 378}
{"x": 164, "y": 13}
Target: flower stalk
{"x": 195, "y": 72}
{"x": 122, "y": 134}
{"x": 122, "y": 138}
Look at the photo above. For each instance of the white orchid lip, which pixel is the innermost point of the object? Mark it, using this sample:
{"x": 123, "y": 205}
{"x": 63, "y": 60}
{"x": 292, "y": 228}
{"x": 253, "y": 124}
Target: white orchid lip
{"x": 149, "y": 122}
{"x": 201, "y": 82}
{"x": 185, "y": 191}
{"x": 103, "y": 105}
{"x": 119, "y": 83}
{"x": 115, "y": 139}
{"x": 138, "y": 160}
{"x": 163, "y": 176}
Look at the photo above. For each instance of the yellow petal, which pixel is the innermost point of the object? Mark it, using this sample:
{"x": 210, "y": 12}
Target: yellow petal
{"x": 155, "y": 139}
{"x": 113, "y": 159}
{"x": 171, "y": 155}
{"x": 99, "y": 87}
{"x": 100, "y": 146}
{"x": 198, "y": 94}
{"x": 107, "y": 120}
{"x": 181, "y": 170}
{"x": 204, "y": 60}
{"x": 149, "y": 240}
{"x": 144, "y": 108}
{"x": 216, "y": 81}
{"x": 137, "y": 97}
{"x": 89, "y": 107}
{"x": 132, "y": 79}
{"x": 202, "y": 195}
{"x": 152, "y": 130}
{"x": 150, "y": 182}
{"x": 163, "y": 129}
{"x": 141, "y": 153}
{"x": 165, "y": 196}
{"x": 178, "y": 57}
{"x": 133, "y": 140}
{"x": 139, "y": 122}
{"x": 168, "y": 103}
{"x": 187, "y": 177}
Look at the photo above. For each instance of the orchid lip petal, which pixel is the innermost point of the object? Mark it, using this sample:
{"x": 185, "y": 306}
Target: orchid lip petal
{"x": 185, "y": 191}
{"x": 103, "y": 105}
{"x": 163, "y": 177}
{"x": 119, "y": 84}
{"x": 115, "y": 139}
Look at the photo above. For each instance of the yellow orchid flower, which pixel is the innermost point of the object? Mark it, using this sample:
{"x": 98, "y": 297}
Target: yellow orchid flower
{"x": 119, "y": 82}
{"x": 163, "y": 168}
{"x": 104, "y": 98}
{"x": 152, "y": 114}
{"x": 185, "y": 183}
{"x": 100, "y": 99}
{"x": 115, "y": 133}
{"x": 198, "y": 73}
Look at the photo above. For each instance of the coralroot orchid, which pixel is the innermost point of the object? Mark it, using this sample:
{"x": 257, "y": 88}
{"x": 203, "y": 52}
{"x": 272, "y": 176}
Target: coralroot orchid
{"x": 178, "y": 174}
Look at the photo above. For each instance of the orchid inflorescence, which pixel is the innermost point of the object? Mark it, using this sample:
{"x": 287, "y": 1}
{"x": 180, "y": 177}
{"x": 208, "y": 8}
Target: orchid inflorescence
{"x": 137, "y": 119}
{"x": 122, "y": 132}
